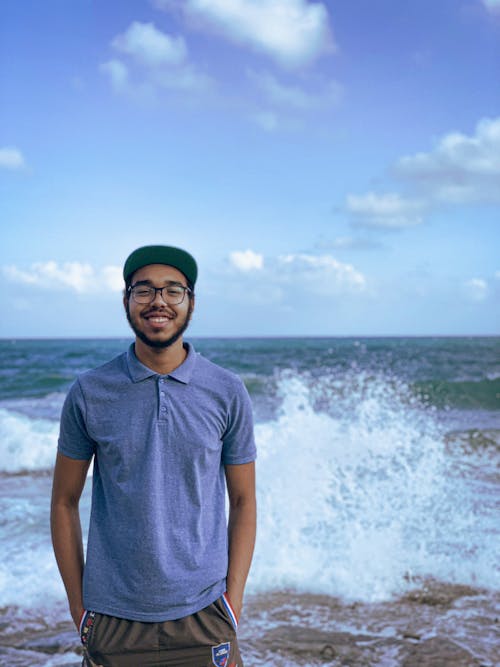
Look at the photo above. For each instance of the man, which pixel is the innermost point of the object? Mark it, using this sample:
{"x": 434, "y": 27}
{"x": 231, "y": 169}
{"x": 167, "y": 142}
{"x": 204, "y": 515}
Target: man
{"x": 167, "y": 430}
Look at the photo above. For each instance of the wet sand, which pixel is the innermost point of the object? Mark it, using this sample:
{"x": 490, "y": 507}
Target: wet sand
{"x": 436, "y": 626}
{"x": 439, "y": 625}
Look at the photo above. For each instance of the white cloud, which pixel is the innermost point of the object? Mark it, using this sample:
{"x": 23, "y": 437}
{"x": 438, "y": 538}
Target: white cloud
{"x": 292, "y": 32}
{"x": 117, "y": 73}
{"x": 185, "y": 78}
{"x": 160, "y": 61}
{"x": 11, "y": 158}
{"x": 148, "y": 45}
{"x": 476, "y": 289}
{"x": 112, "y": 277}
{"x": 322, "y": 274}
{"x": 283, "y": 279}
{"x": 461, "y": 168}
{"x": 492, "y": 6}
{"x": 389, "y": 210}
{"x": 75, "y": 276}
{"x": 280, "y": 94}
{"x": 49, "y": 274}
{"x": 246, "y": 260}
{"x": 292, "y": 96}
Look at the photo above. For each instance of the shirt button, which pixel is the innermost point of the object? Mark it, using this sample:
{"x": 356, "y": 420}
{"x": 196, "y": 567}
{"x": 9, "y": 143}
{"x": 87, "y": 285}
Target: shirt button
{"x": 162, "y": 393}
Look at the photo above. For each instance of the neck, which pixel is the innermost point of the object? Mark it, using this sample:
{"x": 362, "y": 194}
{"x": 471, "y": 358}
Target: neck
{"x": 161, "y": 360}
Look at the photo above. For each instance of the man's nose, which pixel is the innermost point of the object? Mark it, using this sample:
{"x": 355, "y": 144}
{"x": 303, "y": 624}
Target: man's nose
{"x": 158, "y": 298}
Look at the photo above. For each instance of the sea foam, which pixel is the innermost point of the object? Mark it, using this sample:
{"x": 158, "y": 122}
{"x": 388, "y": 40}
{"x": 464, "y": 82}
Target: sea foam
{"x": 367, "y": 503}
{"x": 26, "y": 444}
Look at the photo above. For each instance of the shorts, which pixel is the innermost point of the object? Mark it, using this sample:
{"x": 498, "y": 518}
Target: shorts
{"x": 204, "y": 639}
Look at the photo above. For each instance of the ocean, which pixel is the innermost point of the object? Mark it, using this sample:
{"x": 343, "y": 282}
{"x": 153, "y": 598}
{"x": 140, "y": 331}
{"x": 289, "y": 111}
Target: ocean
{"x": 378, "y": 479}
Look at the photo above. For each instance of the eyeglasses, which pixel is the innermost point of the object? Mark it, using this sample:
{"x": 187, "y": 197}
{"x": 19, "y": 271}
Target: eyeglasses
{"x": 172, "y": 294}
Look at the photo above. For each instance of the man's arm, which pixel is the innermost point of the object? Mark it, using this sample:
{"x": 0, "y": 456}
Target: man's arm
{"x": 69, "y": 480}
{"x": 241, "y": 529}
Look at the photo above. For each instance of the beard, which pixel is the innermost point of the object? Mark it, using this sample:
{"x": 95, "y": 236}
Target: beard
{"x": 159, "y": 344}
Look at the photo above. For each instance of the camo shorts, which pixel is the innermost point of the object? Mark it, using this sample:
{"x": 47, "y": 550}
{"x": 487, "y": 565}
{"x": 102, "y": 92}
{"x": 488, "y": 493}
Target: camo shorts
{"x": 204, "y": 639}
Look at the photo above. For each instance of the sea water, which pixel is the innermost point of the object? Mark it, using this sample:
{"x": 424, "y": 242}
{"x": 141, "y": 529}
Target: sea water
{"x": 377, "y": 470}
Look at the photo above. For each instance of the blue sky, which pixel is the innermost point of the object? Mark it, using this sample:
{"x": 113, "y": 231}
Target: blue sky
{"x": 333, "y": 166}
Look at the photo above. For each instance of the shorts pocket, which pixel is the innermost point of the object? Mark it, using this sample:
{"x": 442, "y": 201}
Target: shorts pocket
{"x": 228, "y": 607}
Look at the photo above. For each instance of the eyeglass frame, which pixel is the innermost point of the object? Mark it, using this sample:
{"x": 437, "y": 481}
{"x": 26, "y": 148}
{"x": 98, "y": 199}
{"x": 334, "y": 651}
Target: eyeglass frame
{"x": 140, "y": 283}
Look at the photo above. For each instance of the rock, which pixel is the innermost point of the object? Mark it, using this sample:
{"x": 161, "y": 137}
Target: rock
{"x": 304, "y": 645}
{"x": 62, "y": 642}
{"x": 18, "y": 658}
{"x": 438, "y": 652}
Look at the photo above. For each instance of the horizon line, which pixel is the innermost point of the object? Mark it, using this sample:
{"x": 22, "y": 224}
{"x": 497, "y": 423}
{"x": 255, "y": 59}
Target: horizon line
{"x": 254, "y": 337}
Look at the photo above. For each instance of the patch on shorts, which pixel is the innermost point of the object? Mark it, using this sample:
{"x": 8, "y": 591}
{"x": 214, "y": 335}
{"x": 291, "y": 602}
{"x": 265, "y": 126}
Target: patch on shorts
{"x": 220, "y": 654}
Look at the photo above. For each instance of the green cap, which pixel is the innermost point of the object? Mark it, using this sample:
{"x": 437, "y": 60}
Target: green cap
{"x": 161, "y": 254}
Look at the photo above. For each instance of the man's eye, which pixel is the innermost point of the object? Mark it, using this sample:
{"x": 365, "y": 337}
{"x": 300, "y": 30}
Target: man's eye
{"x": 143, "y": 292}
{"x": 174, "y": 291}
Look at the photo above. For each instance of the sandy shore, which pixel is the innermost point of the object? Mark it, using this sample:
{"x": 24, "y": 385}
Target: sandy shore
{"x": 439, "y": 625}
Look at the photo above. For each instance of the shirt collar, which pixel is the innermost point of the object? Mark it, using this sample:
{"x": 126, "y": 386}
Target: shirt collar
{"x": 184, "y": 372}
{"x": 138, "y": 371}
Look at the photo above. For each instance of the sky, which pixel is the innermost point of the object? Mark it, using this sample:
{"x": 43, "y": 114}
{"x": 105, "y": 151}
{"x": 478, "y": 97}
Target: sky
{"x": 334, "y": 166}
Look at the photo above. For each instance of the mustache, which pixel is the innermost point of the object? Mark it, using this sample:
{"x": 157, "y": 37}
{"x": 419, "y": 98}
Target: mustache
{"x": 158, "y": 311}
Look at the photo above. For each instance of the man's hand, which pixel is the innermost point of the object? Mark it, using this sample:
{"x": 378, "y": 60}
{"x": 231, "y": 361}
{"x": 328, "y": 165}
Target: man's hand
{"x": 76, "y": 614}
{"x": 236, "y": 601}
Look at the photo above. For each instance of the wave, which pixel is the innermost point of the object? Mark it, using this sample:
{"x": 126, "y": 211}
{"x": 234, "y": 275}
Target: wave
{"x": 348, "y": 386}
{"x": 468, "y": 395}
{"x": 26, "y": 444}
{"x": 366, "y": 503}
{"x": 361, "y": 493}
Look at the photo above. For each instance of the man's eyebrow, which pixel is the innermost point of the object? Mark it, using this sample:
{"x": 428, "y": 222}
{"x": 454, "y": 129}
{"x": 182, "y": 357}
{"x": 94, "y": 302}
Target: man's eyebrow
{"x": 168, "y": 283}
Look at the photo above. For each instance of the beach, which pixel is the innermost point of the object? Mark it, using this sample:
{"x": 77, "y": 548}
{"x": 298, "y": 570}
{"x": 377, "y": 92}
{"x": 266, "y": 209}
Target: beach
{"x": 438, "y": 624}
{"x": 378, "y": 477}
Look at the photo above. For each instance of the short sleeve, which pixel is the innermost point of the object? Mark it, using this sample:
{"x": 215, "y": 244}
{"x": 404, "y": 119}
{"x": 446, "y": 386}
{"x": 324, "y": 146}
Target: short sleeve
{"x": 238, "y": 442}
{"x": 74, "y": 440}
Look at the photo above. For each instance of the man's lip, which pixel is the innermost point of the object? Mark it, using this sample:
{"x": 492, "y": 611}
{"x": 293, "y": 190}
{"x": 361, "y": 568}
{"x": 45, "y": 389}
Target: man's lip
{"x": 163, "y": 316}
{"x": 158, "y": 320}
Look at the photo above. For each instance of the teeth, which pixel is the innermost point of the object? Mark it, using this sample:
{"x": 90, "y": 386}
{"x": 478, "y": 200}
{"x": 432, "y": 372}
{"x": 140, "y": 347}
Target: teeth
{"x": 159, "y": 320}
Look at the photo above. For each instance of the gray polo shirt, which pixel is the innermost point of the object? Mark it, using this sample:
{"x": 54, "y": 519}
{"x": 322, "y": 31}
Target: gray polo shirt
{"x": 157, "y": 543}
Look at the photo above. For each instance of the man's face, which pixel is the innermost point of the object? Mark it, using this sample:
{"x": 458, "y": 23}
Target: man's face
{"x": 157, "y": 324}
